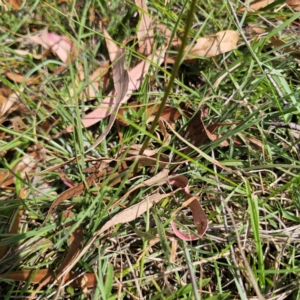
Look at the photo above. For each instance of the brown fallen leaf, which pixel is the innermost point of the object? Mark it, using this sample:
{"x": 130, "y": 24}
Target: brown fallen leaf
{"x": 149, "y": 158}
{"x": 174, "y": 250}
{"x": 20, "y": 78}
{"x": 145, "y": 33}
{"x": 150, "y": 244}
{"x": 211, "y": 46}
{"x": 197, "y": 132}
{"x": 295, "y": 4}
{"x": 158, "y": 179}
{"x": 255, "y": 5}
{"x": 6, "y": 103}
{"x": 133, "y": 212}
{"x": 159, "y": 160}
{"x": 27, "y": 164}
{"x": 39, "y": 275}
{"x": 11, "y": 4}
{"x": 136, "y": 76}
{"x": 200, "y": 152}
{"x": 5, "y": 91}
{"x": 199, "y": 216}
{"x": 169, "y": 114}
{"x": 3, "y": 176}
{"x": 257, "y": 144}
{"x": 236, "y": 140}
{"x": 62, "y": 46}
{"x": 17, "y": 123}
{"x": 277, "y": 42}
{"x": 121, "y": 81}
{"x": 27, "y": 52}
{"x": 251, "y": 29}
{"x": 134, "y": 150}
{"x": 97, "y": 78}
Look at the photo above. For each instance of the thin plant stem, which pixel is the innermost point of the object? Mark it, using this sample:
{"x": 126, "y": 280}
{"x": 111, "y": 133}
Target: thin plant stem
{"x": 173, "y": 75}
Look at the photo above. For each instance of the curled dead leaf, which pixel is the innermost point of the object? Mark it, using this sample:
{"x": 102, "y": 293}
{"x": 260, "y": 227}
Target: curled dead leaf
{"x": 121, "y": 82}
{"x": 62, "y": 46}
{"x": 199, "y": 216}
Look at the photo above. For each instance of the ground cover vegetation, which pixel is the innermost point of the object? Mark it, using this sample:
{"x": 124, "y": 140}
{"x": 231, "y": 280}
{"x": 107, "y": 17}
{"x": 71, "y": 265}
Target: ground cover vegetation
{"x": 149, "y": 149}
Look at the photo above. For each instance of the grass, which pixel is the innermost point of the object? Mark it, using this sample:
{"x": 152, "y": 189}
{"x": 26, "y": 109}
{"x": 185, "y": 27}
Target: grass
{"x": 250, "y": 250}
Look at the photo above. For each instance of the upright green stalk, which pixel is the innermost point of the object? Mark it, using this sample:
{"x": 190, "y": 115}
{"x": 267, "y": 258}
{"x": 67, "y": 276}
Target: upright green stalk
{"x": 173, "y": 75}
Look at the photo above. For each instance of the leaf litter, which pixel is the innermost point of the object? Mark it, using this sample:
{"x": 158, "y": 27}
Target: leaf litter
{"x": 125, "y": 83}
{"x": 157, "y": 163}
